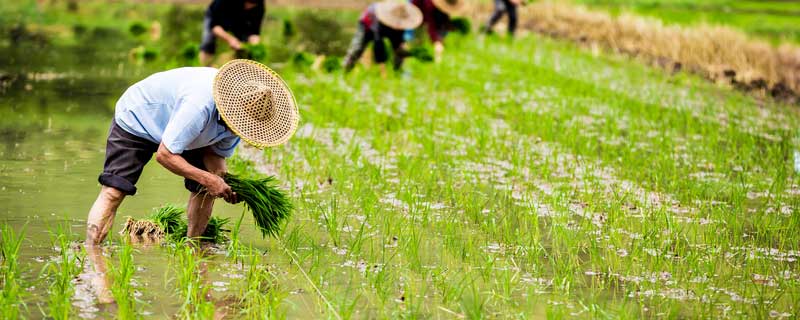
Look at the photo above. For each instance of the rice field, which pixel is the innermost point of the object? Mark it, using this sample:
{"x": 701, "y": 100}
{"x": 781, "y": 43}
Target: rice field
{"x": 776, "y": 21}
{"x": 515, "y": 179}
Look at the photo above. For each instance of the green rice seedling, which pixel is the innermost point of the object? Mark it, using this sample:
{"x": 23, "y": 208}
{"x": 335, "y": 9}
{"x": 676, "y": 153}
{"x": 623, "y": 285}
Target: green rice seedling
{"x": 331, "y": 64}
{"x": 122, "y": 286}
{"x": 191, "y": 287}
{"x": 422, "y": 53}
{"x": 261, "y": 297}
{"x": 60, "y": 273}
{"x": 11, "y": 293}
{"x": 269, "y": 205}
{"x": 169, "y": 217}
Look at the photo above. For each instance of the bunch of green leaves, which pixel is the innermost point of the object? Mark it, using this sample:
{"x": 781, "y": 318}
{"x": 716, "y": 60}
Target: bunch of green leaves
{"x": 421, "y": 53}
{"x": 169, "y": 217}
{"x": 256, "y": 52}
{"x": 269, "y": 205}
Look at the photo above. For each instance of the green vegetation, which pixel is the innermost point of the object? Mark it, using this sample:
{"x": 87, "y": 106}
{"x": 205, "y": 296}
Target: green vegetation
{"x": 60, "y": 274}
{"x": 522, "y": 179}
{"x": 269, "y": 205}
{"x": 122, "y": 282}
{"x": 776, "y": 21}
{"x": 169, "y": 222}
{"x": 189, "y": 269}
{"x": 11, "y": 293}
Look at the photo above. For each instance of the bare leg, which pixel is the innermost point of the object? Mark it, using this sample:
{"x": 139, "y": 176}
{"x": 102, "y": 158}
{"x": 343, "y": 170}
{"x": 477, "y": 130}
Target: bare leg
{"x": 198, "y": 211}
{"x": 99, "y": 279}
{"x": 101, "y": 216}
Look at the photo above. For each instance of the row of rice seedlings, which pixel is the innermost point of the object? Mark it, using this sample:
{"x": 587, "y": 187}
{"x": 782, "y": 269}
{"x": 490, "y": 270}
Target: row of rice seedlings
{"x": 11, "y": 292}
{"x": 122, "y": 282}
{"x": 190, "y": 269}
{"x": 61, "y": 272}
{"x": 261, "y": 297}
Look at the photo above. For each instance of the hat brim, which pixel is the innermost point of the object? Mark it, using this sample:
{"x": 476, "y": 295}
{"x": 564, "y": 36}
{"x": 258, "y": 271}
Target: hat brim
{"x": 449, "y": 9}
{"x": 383, "y": 10}
{"x": 272, "y": 130}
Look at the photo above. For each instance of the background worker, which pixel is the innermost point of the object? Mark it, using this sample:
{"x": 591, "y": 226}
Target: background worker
{"x": 387, "y": 19}
{"x": 436, "y": 17}
{"x": 233, "y": 21}
{"x": 502, "y": 7}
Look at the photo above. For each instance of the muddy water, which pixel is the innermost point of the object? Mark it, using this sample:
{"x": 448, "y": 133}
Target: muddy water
{"x": 50, "y": 156}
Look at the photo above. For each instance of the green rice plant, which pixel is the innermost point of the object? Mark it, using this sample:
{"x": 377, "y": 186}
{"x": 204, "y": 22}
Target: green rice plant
{"x": 168, "y": 222}
{"x": 60, "y": 273}
{"x": 260, "y": 297}
{"x": 256, "y": 52}
{"x": 11, "y": 293}
{"x": 169, "y": 217}
{"x": 191, "y": 287}
{"x": 422, "y": 53}
{"x": 331, "y": 64}
{"x": 269, "y": 205}
{"x": 122, "y": 282}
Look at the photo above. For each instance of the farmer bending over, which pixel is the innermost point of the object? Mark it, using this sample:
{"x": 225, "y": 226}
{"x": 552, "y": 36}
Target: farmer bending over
{"x": 502, "y": 7}
{"x": 381, "y": 20}
{"x": 192, "y": 119}
{"x": 436, "y": 16}
{"x": 233, "y": 21}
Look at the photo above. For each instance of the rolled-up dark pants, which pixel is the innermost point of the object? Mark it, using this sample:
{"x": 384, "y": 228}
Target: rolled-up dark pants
{"x": 126, "y": 156}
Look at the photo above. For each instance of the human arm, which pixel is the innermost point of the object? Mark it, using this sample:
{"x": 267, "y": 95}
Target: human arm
{"x": 215, "y": 185}
{"x": 229, "y": 38}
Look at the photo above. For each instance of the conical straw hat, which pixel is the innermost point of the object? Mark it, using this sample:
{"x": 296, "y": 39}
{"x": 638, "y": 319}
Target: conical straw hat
{"x": 450, "y": 7}
{"x": 398, "y": 15}
{"x": 256, "y": 103}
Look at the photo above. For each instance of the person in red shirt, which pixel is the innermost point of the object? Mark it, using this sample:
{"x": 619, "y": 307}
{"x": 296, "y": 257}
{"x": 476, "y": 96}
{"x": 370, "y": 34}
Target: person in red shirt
{"x": 381, "y": 20}
{"x": 436, "y": 17}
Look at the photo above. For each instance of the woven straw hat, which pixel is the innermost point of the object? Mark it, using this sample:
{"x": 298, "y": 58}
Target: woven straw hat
{"x": 256, "y": 103}
{"x": 450, "y": 7}
{"x": 398, "y": 15}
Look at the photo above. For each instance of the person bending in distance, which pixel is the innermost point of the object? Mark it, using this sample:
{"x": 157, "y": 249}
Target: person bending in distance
{"x": 233, "y": 21}
{"x": 379, "y": 21}
{"x": 436, "y": 16}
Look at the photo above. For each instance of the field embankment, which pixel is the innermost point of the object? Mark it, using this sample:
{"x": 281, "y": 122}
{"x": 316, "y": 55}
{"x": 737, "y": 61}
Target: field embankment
{"x": 721, "y": 54}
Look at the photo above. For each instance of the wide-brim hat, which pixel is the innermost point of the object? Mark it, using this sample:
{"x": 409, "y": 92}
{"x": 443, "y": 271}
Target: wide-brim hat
{"x": 255, "y": 103}
{"x": 450, "y": 7}
{"x": 398, "y": 15}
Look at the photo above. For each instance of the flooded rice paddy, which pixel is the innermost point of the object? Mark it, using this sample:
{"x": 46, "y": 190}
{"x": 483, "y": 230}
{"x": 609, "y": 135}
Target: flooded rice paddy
{"x": 514, "y": 180}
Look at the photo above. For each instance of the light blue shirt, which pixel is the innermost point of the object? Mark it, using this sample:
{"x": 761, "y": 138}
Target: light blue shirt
{"x": 176, "y": 108}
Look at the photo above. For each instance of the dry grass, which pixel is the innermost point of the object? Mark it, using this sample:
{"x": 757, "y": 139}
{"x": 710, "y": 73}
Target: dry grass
{"x": 720, "y": 53}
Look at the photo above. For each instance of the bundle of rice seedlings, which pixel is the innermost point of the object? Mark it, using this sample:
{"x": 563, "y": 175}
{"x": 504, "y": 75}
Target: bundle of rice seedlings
{"x": 168, "y": 222}
{"x": 269, "y": 205}
{"x": 215, "y": 231}
{"x": 169, "y": 218}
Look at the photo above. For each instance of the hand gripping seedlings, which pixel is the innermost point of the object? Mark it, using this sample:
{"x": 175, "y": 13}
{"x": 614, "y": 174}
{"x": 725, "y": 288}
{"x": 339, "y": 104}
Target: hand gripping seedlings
{"x": 269, "y": 205}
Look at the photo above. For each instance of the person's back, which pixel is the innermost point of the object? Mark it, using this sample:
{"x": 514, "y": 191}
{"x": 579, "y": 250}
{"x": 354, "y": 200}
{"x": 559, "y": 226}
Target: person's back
{"x": 172, "y": 107}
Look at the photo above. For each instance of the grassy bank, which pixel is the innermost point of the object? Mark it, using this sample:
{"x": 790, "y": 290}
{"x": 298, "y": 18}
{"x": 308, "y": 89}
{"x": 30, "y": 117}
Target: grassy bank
{"x": 776, "y": 21}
